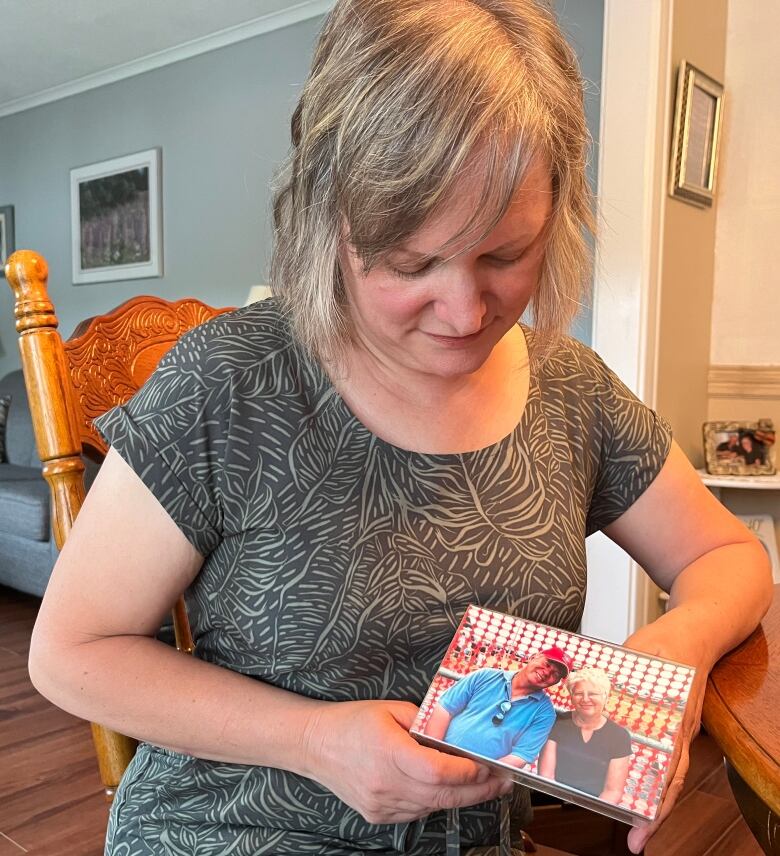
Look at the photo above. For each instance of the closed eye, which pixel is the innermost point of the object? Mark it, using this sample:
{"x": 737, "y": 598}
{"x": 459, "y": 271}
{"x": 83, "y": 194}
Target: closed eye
{"x": 496, "y": 261}
{"x": 500, "y": 262}
{"x": 413, "y": 274}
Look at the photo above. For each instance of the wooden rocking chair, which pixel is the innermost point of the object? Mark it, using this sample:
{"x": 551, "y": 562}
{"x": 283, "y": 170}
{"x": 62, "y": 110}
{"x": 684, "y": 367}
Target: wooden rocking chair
{"x": 106, "y": 360}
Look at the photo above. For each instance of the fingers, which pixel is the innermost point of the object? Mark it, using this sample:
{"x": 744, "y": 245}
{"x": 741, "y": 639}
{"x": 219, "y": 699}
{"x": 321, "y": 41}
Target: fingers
{"x": 678, "y": 768}
{"x": 467, "y": 795}
{"x": 421, "y": 800}
{"x": 639, "y": 836}
{"x": 392, "y": 778}
{"x": 403, "y": 712}
{"x": 432, "y": 767}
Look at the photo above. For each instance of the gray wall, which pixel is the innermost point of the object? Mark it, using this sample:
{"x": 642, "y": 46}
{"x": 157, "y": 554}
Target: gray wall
{"x": 583, "y": 23}
{"x": 222, "y": 121}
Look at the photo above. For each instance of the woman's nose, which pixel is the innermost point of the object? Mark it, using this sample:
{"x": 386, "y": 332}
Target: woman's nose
{"x": 461, "y": 305}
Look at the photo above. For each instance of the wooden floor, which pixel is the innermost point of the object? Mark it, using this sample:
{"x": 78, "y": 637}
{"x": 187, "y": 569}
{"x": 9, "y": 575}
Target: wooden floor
{"x": 51, "y": 803}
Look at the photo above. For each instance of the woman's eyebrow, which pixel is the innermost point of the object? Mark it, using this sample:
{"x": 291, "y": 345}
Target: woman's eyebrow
{"x": 417, "y": 255}
{"x": 516, "y": 244}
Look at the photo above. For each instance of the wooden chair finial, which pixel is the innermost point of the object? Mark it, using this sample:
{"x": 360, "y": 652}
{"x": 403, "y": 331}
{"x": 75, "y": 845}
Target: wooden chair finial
{"x": 28, "y": 275}
{"x": 70, "y": 383}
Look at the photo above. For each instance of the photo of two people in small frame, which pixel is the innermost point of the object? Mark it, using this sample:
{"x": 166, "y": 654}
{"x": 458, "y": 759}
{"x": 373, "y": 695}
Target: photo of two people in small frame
{"x": 739, "y": 448}
{"x": 583, "y": 720}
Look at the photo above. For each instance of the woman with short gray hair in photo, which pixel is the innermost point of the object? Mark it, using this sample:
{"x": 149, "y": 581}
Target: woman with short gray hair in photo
{"x": 586, "y": 749}
{"x": 334, "y": 474}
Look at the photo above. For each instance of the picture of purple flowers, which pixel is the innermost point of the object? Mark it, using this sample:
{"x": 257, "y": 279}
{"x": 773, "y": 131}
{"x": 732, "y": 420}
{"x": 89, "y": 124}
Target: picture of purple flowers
{"x": 116, "y": 218}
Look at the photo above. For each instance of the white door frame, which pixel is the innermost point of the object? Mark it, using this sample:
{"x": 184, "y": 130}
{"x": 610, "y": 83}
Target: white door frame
{"x": 632, "y": 182}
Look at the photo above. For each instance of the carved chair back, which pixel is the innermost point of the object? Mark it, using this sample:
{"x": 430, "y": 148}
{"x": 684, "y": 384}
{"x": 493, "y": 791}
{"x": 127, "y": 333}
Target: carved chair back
{"x": 69, "y": 383}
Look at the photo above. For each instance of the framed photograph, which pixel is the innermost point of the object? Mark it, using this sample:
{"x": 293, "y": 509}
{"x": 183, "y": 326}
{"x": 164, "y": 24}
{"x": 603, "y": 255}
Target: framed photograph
{"x": 583, "y": 720}
{"x": 697, "y": 120}
{"x": 116, "y": 219}
{"x": 6, "y": 235}
{"x": 739, "y": 448}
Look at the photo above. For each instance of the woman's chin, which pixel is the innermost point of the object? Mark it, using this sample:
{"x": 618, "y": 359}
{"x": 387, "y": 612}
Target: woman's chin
{"x": 447, "y": 362}
{"x": 455, "y": 365}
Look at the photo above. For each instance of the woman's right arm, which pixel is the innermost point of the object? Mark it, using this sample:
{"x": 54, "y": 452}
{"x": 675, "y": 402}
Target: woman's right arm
{"x": 548, "y": 759}
{"x": 93, "y": 654}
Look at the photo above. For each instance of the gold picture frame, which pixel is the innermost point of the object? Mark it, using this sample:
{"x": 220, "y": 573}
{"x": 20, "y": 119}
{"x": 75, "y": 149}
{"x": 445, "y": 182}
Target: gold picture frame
{"x": 698, "y": 116}
{"x": 739, "y": 448}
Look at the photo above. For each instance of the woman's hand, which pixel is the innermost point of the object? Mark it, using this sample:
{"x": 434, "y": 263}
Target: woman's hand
{"x": 363, "y": 753}
{"x": 658, "y": 640}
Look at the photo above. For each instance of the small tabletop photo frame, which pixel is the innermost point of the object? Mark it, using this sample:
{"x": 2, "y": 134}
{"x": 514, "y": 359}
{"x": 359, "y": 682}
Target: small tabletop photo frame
{"x": 739, "y": 448}
{"x": 583, "y": 720}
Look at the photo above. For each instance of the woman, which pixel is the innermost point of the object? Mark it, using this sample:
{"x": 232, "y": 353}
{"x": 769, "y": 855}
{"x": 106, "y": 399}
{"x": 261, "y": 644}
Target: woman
{"x": 335, "y": 474}
{"x": 586, "y": 749}
{"x": 751, "y": 451}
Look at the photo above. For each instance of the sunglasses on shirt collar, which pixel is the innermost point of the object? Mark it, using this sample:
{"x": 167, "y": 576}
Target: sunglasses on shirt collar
{"x": 503, "y": 709}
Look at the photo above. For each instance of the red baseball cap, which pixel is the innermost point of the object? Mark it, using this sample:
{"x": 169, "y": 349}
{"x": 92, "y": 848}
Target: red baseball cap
{"x": 558, "y": 655}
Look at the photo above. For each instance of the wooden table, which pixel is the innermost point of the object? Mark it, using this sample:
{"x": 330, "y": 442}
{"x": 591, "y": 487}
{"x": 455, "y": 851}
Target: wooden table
{"x": 742, "y": 713}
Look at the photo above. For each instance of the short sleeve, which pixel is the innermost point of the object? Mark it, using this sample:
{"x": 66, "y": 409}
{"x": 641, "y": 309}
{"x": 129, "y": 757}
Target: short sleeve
{"x": 170, "y": 432}
{"x": 620, "y": 744}
{"x": 635, "y": 443}
{"x": 456, "y": 697}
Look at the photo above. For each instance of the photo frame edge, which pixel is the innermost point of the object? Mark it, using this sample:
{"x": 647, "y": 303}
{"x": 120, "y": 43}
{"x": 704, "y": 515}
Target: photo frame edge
{"x": 9, "y": 233}
{"x": 152, "y": 158}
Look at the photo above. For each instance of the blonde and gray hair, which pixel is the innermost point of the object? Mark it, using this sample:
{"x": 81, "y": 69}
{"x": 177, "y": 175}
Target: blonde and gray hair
{"x": 598, "y": 677}
{"x": 403, "y": 97}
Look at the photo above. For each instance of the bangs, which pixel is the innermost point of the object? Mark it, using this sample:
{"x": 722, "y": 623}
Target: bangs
{"x": 499, "y": 171}
{"x": 409, "y": 141}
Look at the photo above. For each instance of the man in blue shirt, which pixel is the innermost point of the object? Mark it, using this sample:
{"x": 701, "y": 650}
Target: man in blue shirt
{"x": 502, "y": 715}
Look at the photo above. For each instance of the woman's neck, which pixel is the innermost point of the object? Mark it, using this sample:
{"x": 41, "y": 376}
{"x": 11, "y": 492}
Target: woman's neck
{"x": 365, "y": 368}
{"x": 591, "y": 722}
{"x": 438, "y": 415}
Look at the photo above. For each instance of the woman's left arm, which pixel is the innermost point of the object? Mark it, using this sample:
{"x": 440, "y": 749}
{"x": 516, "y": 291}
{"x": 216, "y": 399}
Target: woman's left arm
{"x": 615, "y": 780}
{"x": 716, "y": 572}
{"x": 719, "y": 581}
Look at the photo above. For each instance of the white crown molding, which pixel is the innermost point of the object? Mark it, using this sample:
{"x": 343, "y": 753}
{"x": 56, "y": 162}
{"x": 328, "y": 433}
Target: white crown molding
{"x": 744, "y": 382}
{"x": 256, "y": 27}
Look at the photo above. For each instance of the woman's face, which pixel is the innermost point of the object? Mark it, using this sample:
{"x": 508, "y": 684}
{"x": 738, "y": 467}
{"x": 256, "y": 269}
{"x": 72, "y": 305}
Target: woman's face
{"x": 747, "y": 443}
{"x": 444, "y": 319}
{"x": 587, "y": 698}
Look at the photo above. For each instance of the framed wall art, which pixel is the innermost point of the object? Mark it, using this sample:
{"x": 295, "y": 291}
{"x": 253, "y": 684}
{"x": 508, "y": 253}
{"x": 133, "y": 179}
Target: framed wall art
{"x": 116, "y": 219}
{"x": 739, "y": 448}
{"x": 697, "y": 120}
{"x": 6, "y": 235}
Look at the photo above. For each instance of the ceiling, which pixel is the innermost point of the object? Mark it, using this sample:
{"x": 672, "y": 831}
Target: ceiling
{"x": 52, "y": 48}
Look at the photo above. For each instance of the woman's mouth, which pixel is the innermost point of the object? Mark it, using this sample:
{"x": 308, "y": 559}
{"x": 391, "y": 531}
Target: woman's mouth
{"x": 456, "y": 341}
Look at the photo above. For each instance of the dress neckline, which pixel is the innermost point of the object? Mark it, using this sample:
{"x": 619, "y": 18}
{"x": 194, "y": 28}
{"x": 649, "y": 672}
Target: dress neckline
{"x": 347, "y": 417}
